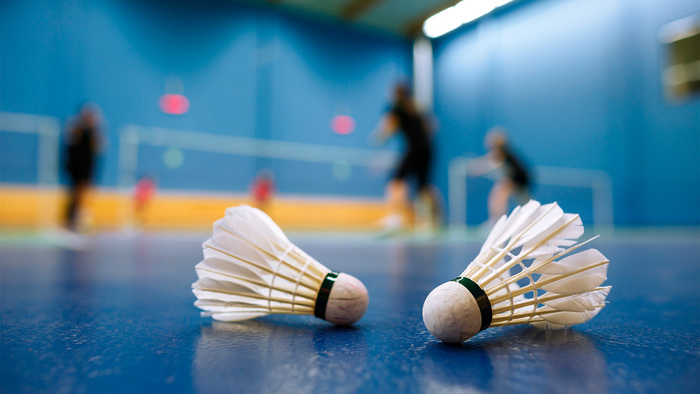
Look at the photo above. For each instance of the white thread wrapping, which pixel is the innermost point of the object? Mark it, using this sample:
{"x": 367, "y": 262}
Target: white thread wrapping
{"x": 274, "y": 276}
{"x": 301, "y": 274}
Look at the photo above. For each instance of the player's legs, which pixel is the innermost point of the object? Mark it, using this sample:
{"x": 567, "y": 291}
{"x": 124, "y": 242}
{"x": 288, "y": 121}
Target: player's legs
{"x": 399, "y": 207}
{"x": 76, "y": 196}
{"x": 498, "y": 199}
{"x": 400, "y": 212}
{"x": 427, "y": 208}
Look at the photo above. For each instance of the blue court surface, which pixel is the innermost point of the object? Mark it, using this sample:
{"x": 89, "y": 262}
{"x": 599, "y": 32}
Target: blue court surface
{"x": 118, "y": 316}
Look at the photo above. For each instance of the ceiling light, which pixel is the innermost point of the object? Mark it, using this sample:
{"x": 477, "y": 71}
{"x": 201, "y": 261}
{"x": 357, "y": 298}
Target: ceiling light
{"x": 459, "y": 14}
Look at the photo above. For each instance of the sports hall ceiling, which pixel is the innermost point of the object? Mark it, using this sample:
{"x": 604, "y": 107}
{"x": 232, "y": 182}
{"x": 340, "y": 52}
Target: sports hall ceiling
{"x": 399, "y": 17}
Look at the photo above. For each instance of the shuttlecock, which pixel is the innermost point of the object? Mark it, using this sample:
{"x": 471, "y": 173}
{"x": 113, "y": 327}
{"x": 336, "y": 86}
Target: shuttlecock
{"x": 560, "y": 292}
{"x": 251, "y": 269}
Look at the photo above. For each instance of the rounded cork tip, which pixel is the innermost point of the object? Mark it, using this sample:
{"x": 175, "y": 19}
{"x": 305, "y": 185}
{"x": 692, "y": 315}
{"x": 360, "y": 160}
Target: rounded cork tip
{"x": 451, "y": 313}
{"x": 347, "y": 301}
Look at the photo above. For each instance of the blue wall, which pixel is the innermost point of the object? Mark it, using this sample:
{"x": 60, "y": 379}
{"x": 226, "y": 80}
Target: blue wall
{"x": 248, "y": 71}
{"x": 578, "y": 84}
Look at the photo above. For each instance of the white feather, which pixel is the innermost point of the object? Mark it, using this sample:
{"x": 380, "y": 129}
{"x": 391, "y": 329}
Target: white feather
{"x": 223, "y": 269}
{"x": 561, "y": 290}
{"x": 248, "y": 217}
{"x": 223, "y": 245}
{"x": 574, "y": 284}
{"x": 542, "y": 224}
{"x": 580, "y": 302}
{"x": 509, "y": 225}
{"x": 567, "y": 318}
{"x": 520, "y": 219}
{"x": 255, "y": 227}
{"x": 251, "y": 269}
{"x": 227, "y": 289}
{"x": 572, "y": 263}
{"x": 557, "y": 229}
{"x": 246, "y": 270}
{"x": 235, "y": 316}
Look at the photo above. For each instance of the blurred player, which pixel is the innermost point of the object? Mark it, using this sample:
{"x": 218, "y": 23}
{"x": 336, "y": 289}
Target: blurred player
{"x": 262, "y": 189}
{"x": 513, "y": 179}
{"x": 143, "y": 195}
{"x": 403, "y": 117}
{"x": 83, "y": 142}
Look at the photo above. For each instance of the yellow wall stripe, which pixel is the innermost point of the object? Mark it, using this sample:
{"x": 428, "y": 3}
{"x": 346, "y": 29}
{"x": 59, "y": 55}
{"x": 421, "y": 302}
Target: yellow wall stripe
{"x": 27, "y": 207}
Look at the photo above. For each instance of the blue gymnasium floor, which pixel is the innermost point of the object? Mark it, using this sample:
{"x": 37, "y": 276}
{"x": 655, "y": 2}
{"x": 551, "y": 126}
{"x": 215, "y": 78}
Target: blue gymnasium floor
{"x": 118, "y": 317}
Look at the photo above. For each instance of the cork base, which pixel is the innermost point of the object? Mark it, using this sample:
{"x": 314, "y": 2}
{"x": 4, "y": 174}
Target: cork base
{"x": 347, "y": 301}
{"x": 451, "y": 313}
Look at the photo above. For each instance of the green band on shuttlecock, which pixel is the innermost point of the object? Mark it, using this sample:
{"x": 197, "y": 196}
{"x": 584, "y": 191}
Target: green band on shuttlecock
{"x": 323, "y": 293}
{"x": 482, "y": 300}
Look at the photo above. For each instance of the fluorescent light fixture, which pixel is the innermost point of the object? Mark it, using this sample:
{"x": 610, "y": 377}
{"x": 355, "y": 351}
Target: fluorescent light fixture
{"x": 442, "y": 22}
{"x": 500, "y": 3}
{"x": 459, "y": 14}
{"x": 470, "y": 10}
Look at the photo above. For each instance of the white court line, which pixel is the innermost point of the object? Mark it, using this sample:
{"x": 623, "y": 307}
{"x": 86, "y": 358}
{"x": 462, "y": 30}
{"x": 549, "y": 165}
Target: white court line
{"x": 48, "y": 130}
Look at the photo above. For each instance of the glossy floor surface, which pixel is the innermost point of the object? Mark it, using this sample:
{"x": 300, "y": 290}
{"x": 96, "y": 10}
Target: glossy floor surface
{"x": 118, "y": 317}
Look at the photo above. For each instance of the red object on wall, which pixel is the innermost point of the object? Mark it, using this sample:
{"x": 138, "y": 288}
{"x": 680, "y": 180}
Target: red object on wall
{"x": 174, "y": 104}
{"x": 343, "y": 124}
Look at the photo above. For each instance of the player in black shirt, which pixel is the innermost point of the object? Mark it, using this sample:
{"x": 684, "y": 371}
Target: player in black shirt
{"x": 404, "y": 118}
{"x": 82, "y": 145}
